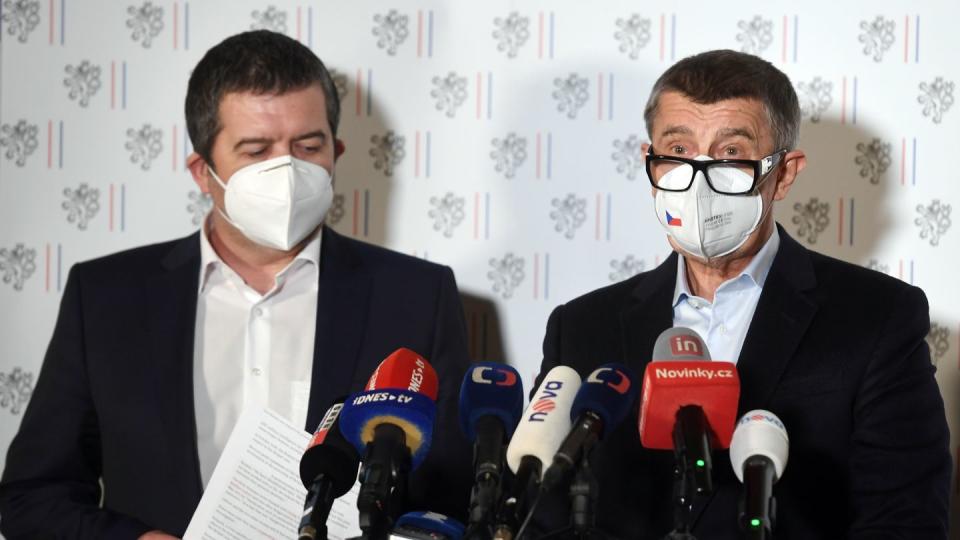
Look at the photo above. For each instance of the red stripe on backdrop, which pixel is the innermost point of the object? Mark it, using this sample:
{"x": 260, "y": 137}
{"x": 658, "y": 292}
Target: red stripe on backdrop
{"x": 359, "y": 90}
{"x": 479, "y": 85}
{"x": 536, "y": 274}
{"x": 476, "y": 216}
{"x": 176, "y": 20}
{"x": 538, "y": 155}
{"x": 419, "y": 33}
{"x": 840, "y": 223}
{"x": 906, "y": 39}
{"x": 299, "y": 21}
{"x": 784, "y": 39}
{"x": 663, "y": 34}
{"x": 416, "y": 157}
{"x": 540, "y": 46}
{"x": 843, "y": 102}
{"x": 356, "y": 211}
{"x": 903, "y": 162}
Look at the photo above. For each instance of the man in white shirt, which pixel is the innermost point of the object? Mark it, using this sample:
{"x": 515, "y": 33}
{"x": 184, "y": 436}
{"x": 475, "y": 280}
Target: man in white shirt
{"x": 158, "y": 349}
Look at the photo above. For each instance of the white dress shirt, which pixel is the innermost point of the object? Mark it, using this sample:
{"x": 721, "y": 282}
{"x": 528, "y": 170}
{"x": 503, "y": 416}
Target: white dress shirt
{"x": 723, "y": 324}
{"x": 251, "y": 349}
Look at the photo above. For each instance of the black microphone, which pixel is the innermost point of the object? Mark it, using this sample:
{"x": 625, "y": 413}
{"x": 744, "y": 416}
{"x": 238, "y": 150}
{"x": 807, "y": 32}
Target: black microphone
{"x": 328, "y": 469}
{"x": 601, "y": 403}
{"x": 491, "y": 402}
{"x": 758, "y": 454}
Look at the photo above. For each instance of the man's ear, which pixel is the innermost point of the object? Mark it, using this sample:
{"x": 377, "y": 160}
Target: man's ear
{"x": 199, "y": 172}
{"x": 793, "y": 162}
{"x": 338, "y": 148}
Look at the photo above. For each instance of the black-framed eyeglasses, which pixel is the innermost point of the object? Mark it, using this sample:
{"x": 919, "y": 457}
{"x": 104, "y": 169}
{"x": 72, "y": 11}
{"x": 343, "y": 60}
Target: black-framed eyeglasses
{"x": 726, "y": 176}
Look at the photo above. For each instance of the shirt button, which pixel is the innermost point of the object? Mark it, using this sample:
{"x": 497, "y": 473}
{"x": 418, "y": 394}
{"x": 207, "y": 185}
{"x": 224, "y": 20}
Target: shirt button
{"x": 723, "y": 329}
{"x": 258, "y": 312}
{"x": 256, "y": 372}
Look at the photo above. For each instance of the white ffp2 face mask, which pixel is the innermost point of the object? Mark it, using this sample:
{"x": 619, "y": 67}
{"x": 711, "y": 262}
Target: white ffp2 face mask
{"x": 701, "y": 221}
{"x": 276, "y": 203}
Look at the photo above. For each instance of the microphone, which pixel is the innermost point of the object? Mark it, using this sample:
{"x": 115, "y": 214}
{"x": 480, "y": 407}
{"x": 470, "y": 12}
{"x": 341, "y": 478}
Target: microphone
{"x": 427, "y": 526}
{"x": 391, "y": 424}
{"x": 601, "y": 403}
{"x": 758, "y": 453}
{"x": 491, "y": 402}
{"x": 537, "y": 438}
{"x": 689, "y": 403}
{"x": 328, "y": 470}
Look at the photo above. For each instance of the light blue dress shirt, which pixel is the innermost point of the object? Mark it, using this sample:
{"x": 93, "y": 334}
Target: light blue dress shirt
{"x": 723, "y": 324}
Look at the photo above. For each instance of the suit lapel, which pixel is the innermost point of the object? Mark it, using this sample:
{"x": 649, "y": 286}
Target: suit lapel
{"x": 783, "y": 313}
{"x": 342, "y": 303}
{"x": 171, "y": 322}
{"x": 780, "y": 321}
{"x": 648, "y": 314}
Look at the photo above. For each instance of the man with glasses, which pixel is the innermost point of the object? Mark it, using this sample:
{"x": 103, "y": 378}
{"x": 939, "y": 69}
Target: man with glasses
{"x": 835, "y": 350}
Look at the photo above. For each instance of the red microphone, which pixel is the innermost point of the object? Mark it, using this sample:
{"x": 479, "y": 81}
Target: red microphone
{"x": 689, "y": 404}
{"x": 405, "y": 370}
{"x": 390, "y": 423}
{"x": 682, "y": 374}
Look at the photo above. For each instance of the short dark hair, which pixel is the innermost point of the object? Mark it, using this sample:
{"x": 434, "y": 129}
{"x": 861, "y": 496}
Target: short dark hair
{"x": 259, "y": 61}
{"x": 714, "y": 76}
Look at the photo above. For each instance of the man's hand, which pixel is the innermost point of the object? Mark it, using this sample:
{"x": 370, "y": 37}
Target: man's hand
{"x": 157, "y": 535}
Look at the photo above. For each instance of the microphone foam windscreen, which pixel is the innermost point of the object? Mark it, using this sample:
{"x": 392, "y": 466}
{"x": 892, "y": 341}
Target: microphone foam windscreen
{"x": 679, "y": 344}
{"x": 759, "y": 433}
{"x": 546, "y": 421}
{"x": 329, "y": 453}
{"x": 410, "y": 411}
{"x": 609, "y": 391}
{"x": 490, "y": 389}
{"x": 405, "y": 370}
{"x": 437, "y": 525}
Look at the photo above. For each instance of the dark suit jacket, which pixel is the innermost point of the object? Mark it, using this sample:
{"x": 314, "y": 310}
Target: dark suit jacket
{"x": 114, "y": 399}
{"x": 834, "y": 350}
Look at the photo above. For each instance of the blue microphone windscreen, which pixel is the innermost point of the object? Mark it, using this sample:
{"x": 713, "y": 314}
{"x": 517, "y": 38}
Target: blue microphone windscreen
{"x": 609, "y": 391}
{"x": 437, "y": 525}
{"x": 490, "y": 389}
{"x": 410, "y": 411}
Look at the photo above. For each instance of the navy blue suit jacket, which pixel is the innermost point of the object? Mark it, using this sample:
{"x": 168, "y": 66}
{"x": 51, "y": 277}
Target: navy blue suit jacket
{"x": 836, "y": 351}
{"x": 114, "y": 399}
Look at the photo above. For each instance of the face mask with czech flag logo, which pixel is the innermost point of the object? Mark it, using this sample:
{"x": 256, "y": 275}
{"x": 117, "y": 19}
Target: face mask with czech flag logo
{"x": 704, "y": 223}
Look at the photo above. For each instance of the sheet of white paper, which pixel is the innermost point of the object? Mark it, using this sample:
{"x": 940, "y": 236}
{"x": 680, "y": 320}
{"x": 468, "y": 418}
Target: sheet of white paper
{"x": 255, "y": 491}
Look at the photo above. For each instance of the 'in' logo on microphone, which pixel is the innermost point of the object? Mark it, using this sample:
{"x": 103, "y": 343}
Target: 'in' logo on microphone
{"x": 686, "y": 345}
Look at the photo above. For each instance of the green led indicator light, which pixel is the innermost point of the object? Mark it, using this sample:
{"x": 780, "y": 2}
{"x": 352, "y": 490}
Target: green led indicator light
{"x": 700, "y": 463}
{"x": 754, "y": 523}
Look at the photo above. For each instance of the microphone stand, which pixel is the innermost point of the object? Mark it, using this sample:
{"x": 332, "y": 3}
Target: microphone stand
{"x": 488, "y": 464}
{"x": 692, "y": 473}
{"x": 383, "y": 481}
{"x": 583, "y": 504}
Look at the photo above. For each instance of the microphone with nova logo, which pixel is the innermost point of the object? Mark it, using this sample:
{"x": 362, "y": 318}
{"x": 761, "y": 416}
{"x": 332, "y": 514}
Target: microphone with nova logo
{"x": 328, "y": 470}
{"x": 491, "y": 402}
{"x": 689, "y": 405}
{"x": 758, "y": 453}
{"x": 390, "y": 423}
{"x": 427, "y": 526}
{"x": 538, "y": 436}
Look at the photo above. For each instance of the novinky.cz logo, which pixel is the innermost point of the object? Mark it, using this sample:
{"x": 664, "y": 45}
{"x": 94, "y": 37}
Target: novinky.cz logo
{"x": 690, "y": 373}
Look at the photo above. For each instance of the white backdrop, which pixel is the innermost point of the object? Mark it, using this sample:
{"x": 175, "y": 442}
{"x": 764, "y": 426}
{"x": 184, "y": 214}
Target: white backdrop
{"x": 500, "y": 137}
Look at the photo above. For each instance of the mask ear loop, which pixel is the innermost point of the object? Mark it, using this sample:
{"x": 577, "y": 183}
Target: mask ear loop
{"x": 223, "y": 212}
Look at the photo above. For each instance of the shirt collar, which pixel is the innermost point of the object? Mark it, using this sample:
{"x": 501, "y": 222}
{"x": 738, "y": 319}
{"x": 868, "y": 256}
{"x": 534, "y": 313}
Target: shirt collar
{"x": 210, "y": 261}
{"x": 756, "y": 271}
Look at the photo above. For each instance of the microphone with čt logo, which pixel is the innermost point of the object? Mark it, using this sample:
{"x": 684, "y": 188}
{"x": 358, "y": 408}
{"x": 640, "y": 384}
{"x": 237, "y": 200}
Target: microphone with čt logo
{"x": 491, "y": 402}
{"x": 689, "y": 405}
{"x": 390, "y": 423}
